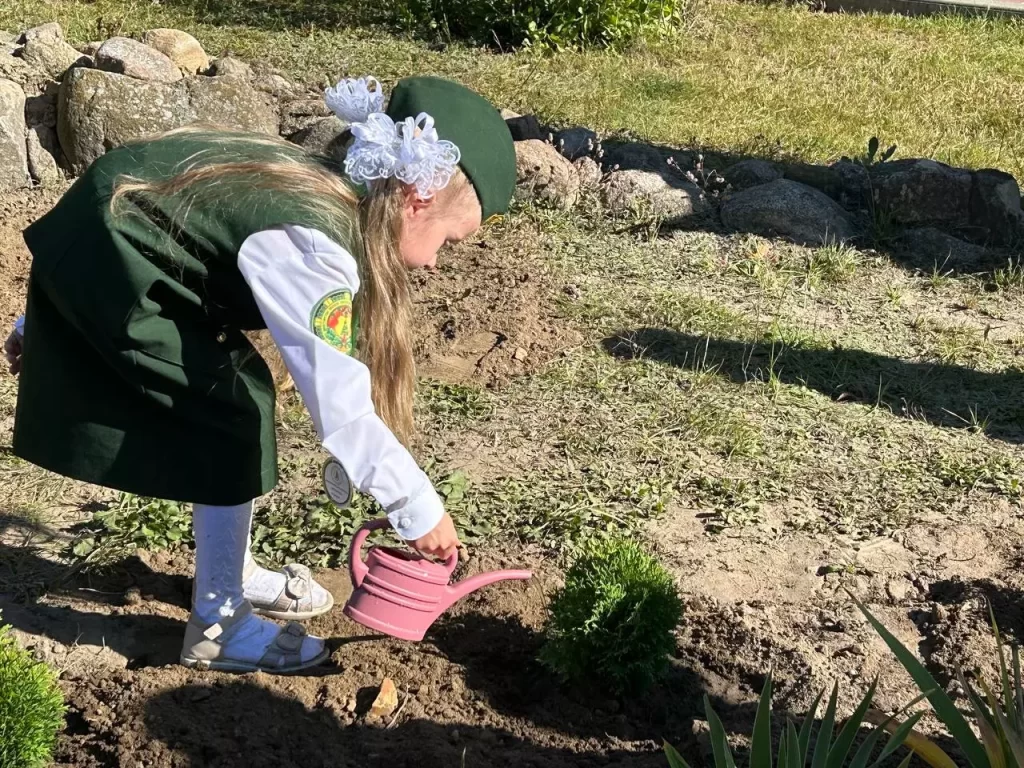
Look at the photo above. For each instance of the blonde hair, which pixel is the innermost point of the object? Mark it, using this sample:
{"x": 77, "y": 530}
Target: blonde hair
{"x": 383, "y": 306}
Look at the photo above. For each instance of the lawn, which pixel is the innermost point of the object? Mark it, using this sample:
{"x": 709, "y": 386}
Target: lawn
{"x": 763, "y": 79}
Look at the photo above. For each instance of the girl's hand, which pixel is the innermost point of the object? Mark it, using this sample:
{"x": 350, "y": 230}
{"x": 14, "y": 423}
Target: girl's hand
{"x": 12, "y": 351}
{"x": 442, "y": 542}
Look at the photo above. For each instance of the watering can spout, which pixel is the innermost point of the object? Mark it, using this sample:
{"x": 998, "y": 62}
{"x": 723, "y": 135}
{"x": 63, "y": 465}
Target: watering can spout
{"x": 466, "y": 586}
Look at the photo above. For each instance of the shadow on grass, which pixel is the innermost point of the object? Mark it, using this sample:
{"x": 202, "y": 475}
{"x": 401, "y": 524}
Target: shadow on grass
{"x": 943, "y": 395}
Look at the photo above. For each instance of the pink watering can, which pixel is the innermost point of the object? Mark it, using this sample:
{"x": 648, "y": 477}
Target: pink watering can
{"x": 401, "y": 593}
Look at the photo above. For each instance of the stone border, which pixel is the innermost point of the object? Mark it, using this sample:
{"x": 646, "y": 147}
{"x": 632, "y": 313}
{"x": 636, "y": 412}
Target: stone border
{"x": 62, "y": 107}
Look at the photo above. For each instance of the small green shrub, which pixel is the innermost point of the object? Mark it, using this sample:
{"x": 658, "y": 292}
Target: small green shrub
{"x": 31, "y": 707}
{"x": 612, "y": 622}
{"x": 542, "y": 23}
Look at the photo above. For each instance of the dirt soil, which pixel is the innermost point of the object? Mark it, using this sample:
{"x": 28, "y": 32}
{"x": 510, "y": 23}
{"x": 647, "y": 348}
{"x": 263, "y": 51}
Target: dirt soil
{"x": 472, "y": 691}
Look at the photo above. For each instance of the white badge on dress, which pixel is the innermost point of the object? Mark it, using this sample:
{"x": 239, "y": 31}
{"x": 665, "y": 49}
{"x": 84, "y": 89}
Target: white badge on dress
{"x": 337, "y": 484}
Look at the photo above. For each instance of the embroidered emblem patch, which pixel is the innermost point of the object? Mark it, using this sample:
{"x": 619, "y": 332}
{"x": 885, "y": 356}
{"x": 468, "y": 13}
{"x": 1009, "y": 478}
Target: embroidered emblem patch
{"x": 331, "y": 320}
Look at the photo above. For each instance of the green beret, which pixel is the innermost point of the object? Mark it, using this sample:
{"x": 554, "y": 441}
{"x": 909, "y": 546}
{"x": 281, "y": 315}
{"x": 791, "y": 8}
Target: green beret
{"x": 469, "y": 121}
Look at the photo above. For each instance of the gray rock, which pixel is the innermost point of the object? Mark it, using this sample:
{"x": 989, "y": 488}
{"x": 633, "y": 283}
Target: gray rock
{"x": 666, "y": 194}
{"x": 930, "y": 248}
{"x": 54, "y": 57}
{"x": 275, "y": 84}
{"x": 526, "y": 128}
{"x": 820, "y": 177}
{"x": 915, "y": 192}
{"x": 228, "y": 66}
{"x": 13, "y": 150}
{"x": 43, "y": 151}
{"x": 226, "y": 102}
{"x": 589, "y": 171}
{"x": 98, "y": 110}
{"x": 995, "y": 206}
{"x": 17, "y": 70}
{"x": 644, "y": 157}
{"x": 41, "y": 110}
{"x": 543, "y": 174}
{"x": 299, "y": 114}
{"x": 90, "y": 49}
{"x": 8, "y": 37}
{"x": 50, "y": 33}
{"x": 125, "y": 56}
{"x": 854, "y": 183}
{"x": 180, "y": 47}
{"x": 575, "y": 143}
{"x": 788, "y": 209}
{"x": 325, "y": 137}
{"x": 751, "y": 173}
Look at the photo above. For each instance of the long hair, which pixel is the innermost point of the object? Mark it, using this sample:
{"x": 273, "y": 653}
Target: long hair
{"x": 371, "y": 226}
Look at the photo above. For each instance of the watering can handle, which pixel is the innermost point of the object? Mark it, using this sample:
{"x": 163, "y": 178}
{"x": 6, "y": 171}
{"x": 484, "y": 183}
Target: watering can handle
{"x": 356, "y": 567}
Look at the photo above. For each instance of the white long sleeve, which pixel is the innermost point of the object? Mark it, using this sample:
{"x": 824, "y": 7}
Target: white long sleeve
{"x": 290, "y": 269}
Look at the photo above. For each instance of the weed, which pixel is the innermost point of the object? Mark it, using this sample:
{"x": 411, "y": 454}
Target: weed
{"x": 831, "y": 265}
{"x": 1010, "y": 277}
{"x": 132, "y": 522}
{"x": 455, "y": 404}
{"x": 612, "y": 623}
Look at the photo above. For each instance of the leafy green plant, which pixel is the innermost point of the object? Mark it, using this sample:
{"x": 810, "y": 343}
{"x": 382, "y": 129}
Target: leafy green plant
{"x": 133, "y": 522}
{"x": 997, "y": 715}
{"x": 541, "y": 23}
{"x": 612, "y": 622}
{"x": 871, "y": 157}
{"x": 797, "y": 748}
{"x": 31, "y": 707}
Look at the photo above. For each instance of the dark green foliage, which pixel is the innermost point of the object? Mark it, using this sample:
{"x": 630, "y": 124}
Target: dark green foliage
{"x": 612, "y": 623}
{"x": 31, "y": 707}
{"x": 545, "y": 23}
{"x": 797, "y": 749}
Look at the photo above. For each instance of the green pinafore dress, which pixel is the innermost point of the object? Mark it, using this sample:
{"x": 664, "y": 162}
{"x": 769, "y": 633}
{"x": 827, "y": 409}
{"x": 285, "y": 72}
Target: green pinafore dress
{"x": 136, "y": 372}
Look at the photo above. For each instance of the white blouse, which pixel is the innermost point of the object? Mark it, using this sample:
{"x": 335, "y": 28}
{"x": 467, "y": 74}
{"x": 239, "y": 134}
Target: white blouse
{"x": 290, "y": 269}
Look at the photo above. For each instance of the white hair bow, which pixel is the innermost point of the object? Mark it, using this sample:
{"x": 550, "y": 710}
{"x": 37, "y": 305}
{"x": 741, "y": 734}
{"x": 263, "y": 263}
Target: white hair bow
{"x": 409, "y": 150}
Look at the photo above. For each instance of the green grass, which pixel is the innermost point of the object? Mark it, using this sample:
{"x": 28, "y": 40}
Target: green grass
{"x": 742, "y": 77}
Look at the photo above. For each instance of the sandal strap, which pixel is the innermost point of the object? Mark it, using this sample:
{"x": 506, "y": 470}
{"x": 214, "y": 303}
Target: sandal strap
{"x": 299, "y": 582}
{"x": 286, "y": 650}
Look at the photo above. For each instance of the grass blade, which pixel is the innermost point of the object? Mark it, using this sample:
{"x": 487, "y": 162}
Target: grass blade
{"x": 922, "y": 746}
{"x": 1018, "y": 691}
{"x": 837, "y": 755}
{"x": 761, "y": 741}
{"x": 675, "y": 760}
{"x": 991, "y": 734}
{"x": 897, "y": 735}
{"x": 906, "y": 761}
{"x": 806, "y": 727}
{"x": 1004, "y": 675}
{"x": 719, "y": 741}
{"x": 943, "y": 706}
{"x": 862, "y": 755}
{"x": 1013, "y": 739}
{"x": 824, "y": 742}
{"x": 783, "y": 758}
{"x": 793, "y": 739}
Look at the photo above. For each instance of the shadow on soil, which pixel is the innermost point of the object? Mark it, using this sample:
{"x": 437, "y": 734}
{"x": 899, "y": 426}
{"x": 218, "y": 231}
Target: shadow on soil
{"x": 943, "y": 395}
{"x": 141, "y": 635}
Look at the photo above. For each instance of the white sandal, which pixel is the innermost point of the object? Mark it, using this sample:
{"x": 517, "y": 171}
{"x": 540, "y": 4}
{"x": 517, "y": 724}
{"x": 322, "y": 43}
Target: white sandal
{"x": 295, "y": 601}
{"x": 203, "y": 648}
